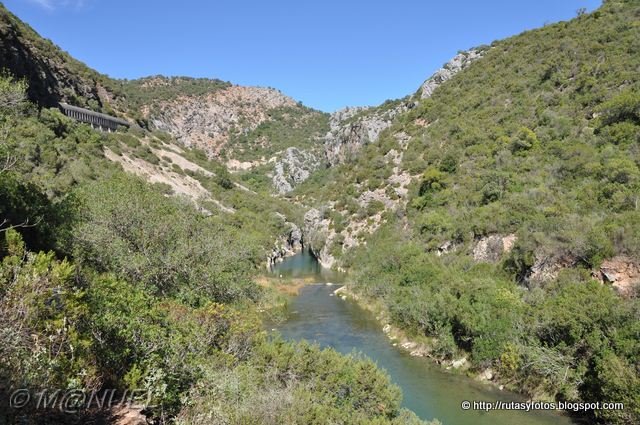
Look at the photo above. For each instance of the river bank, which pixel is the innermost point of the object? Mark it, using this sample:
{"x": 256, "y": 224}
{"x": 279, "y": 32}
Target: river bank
{"x": 318, "y": 315}
{"x": 422, "y": 347}
{"x": 296, "y": 272}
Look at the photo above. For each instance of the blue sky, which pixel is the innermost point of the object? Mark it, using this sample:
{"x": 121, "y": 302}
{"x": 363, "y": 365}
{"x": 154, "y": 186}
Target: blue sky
{"x": 328, "y": 54}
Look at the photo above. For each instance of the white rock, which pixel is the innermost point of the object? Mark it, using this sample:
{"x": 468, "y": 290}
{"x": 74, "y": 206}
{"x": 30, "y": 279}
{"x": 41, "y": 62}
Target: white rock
{"x": 456, "y": 364}
{"x": 486, "y": 375}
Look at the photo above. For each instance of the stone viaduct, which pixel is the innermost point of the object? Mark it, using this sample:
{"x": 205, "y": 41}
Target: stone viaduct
{"x": 97, "y": 120}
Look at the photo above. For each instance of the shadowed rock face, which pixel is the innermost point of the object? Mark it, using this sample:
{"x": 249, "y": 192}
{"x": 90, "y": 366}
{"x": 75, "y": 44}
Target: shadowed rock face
{"x": 286, "y": 246}
{"x": 46, "y": 69}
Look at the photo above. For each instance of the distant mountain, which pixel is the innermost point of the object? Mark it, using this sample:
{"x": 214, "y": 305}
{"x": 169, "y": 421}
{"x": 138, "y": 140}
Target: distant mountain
{"x": 242, "y": 126}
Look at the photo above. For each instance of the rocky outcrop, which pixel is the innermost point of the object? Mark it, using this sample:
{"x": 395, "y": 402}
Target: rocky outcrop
{"x": 353, "y": 128}
{"x": 490, "y": 249}
{"x": 546, "y": 267}
{"x": 294, "y": 167}
{"x": 446, "y": 247}
{"x": 621, "y": 272}
{"x": 286, "y": 246}
{"x": 448, "y": 70}
{"x": 207, "y": 121}
{"x": 318, "y": 237}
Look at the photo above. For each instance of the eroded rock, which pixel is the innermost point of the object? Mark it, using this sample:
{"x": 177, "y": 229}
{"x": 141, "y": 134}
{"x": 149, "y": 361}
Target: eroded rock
{"x": 294, "y": 167}
{"x": 286, "y": 246}
{"x": 622, "y": 272}
{"x": 448, "y": 70}
{"x": 491, "y": 248}
{"x": 546, "y": 268}
{"x": 318, "y": 237}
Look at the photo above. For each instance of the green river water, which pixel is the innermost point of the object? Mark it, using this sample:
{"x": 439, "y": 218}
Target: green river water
{"x": 316, "y": 315}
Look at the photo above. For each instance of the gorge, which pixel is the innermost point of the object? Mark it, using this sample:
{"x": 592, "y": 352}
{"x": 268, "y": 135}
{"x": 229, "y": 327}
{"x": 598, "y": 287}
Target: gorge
{"x": 488, "y": 221}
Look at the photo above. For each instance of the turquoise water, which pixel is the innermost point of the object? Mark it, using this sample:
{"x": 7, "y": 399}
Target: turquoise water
{"x": 316, "y": 315}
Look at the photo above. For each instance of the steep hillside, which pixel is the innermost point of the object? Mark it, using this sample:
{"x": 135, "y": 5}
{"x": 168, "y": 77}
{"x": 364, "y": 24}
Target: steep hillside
{"x": 492, "y": 218}
{"x": 108, "y": 280}
{"x": 58, "y": 154}
{"x": 505, "y": 131}
{"x": 53, "y": 76}
{"x": 517, "y": 243}
{"x": 259, "y": 132}
{"x": 247, "y": 128}
{"x": 353, "y": 128}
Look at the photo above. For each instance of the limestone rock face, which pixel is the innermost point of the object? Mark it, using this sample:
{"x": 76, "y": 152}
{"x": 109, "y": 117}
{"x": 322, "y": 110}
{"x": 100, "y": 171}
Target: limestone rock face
{"x": 490, "y": 249}
{"x": 622, "y": 272}
{"x": 316, "y": 230}
{"x": 353, "y": 128}
{"x": 286, "y": 246}
{"x": 206, "y": 121}
{"x": 294, "y": 167}
{"x": 451, "y": 68}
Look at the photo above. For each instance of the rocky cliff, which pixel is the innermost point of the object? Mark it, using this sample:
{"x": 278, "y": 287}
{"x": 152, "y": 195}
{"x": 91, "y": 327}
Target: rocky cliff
{"x": 52, "y": 74}
{"x": 208, "y": 121}
{"x": 353, "y": 128}
{"x": 244, "y": 127}
{"x": 459, "y": 62}
{"x": 294, "y": 167}
{"x": 287, "y": 245}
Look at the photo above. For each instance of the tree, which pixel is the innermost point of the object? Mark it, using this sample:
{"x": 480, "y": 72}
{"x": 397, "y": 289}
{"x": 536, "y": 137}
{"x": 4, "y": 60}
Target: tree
{"x": 12, "y": 99}
{"x": 142, "y": 236}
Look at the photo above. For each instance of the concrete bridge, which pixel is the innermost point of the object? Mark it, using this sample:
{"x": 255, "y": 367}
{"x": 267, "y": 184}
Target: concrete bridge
{"x": 97, "y": 120}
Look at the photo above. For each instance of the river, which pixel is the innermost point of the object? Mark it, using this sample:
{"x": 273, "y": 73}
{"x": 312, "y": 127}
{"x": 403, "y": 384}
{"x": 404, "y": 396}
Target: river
{"x": 316, "y": 315}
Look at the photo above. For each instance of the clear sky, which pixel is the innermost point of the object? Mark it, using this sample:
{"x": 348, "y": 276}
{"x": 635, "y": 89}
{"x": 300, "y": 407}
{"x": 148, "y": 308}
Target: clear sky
{"x": 326, "y": 53}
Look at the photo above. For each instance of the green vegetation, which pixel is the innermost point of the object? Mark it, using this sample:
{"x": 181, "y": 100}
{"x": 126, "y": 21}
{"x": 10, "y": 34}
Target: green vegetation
{"x": 52, "y": 74}
{"x": 573, "y": 339}
{"x": 313, "y": 386}
{"x": 148, "y": 90}
{"x": 539, "y": 139}
{"x": 107, "y": 283}
{"x": 285, "y": 127}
